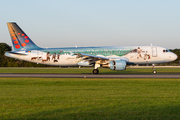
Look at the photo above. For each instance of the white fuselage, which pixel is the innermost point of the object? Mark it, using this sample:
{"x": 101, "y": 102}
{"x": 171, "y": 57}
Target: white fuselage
{"x": 68, "y": 57}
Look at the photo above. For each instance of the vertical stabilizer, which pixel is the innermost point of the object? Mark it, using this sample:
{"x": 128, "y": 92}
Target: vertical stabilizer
{"x": 20, "y": 39}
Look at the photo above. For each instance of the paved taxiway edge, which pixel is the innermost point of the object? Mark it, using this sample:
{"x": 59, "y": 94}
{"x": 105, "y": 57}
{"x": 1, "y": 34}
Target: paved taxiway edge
{"x": 86, "y": 75}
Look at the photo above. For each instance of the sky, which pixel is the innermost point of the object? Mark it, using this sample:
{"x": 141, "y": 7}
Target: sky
{"x": 64, "y": 23}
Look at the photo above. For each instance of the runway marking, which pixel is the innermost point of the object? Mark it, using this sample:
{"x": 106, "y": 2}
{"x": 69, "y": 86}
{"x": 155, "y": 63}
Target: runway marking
{"x": 87, "y": 75}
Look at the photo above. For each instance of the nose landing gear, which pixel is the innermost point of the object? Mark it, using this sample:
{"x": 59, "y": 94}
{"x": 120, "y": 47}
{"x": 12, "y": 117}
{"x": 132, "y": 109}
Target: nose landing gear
{"x": 153, "y": 67}
{"x": 154, "y": 71}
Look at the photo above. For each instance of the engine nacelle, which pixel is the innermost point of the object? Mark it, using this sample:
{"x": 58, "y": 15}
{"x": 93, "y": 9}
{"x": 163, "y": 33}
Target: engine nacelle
{"x": 118, "y": 65}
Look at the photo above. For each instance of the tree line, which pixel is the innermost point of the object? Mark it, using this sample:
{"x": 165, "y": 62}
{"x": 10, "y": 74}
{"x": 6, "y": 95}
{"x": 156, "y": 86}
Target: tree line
{"x": 11, "y": 62}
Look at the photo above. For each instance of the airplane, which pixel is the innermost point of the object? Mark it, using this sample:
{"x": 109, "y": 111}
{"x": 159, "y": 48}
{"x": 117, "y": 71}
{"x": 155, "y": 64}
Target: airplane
{"x": 112, "y": 57}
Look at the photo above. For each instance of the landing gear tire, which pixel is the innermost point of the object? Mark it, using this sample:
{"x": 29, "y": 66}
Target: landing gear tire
{"x": 154, "y": 72}
{"x": 95, "y": 71}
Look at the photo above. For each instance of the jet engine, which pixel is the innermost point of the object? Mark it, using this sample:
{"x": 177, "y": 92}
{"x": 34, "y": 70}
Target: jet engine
{"x": 116, "y": 65}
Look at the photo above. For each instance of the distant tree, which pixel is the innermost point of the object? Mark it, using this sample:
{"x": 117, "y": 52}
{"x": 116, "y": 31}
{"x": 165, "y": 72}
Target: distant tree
{"x": 4, "y": 47}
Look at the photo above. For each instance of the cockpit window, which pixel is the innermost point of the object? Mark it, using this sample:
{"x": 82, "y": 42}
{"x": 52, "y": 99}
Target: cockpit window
{"x": 164, "y": 51}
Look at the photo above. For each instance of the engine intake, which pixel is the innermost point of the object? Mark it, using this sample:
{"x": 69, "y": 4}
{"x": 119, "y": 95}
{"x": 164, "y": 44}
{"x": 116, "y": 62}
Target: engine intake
{"x": 118, "y": 65}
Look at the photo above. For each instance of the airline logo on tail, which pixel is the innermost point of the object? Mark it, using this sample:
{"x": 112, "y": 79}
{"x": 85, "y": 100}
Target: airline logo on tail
{"x": 19, "y": 39}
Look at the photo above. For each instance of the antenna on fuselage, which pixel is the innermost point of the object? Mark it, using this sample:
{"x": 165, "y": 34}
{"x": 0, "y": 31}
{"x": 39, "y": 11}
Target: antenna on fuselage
{"x": 151, "y": 44}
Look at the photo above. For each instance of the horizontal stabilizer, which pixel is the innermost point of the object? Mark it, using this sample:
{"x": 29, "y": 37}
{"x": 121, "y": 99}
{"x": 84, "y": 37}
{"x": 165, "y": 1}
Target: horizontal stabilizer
{"x": 16, "y": 53}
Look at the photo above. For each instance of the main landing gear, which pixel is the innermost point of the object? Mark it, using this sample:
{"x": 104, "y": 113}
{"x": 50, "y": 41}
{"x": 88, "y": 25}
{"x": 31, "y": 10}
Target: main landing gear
{"x": 95, "y": 71}
{"x": 153, "y": 67}
{"x": 96, "y": 66}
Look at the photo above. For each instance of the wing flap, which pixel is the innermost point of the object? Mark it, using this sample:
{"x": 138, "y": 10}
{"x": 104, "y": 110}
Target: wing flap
{"x": 86, "y": 57}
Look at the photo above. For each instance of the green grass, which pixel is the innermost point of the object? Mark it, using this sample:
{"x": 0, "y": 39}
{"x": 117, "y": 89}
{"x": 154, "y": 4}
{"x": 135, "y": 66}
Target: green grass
{"x": 87, "y": 99}
{"x": 89, "y": 71}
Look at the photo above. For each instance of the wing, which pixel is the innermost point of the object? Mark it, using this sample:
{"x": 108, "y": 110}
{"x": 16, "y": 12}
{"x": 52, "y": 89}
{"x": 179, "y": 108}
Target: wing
{"x": 86, "y": 56}
{"x": 92, "y": 60}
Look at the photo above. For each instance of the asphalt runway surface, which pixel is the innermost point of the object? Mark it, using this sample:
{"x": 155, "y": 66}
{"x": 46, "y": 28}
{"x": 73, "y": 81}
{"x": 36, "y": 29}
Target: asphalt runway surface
{"x": 41, "y": 75}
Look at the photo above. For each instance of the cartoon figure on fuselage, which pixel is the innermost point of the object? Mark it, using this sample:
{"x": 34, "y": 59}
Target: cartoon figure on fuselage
{"x": 113, "y": 57}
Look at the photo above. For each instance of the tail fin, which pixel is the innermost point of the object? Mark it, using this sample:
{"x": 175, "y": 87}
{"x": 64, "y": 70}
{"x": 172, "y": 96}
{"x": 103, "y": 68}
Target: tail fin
{"x": 19, "y": 38}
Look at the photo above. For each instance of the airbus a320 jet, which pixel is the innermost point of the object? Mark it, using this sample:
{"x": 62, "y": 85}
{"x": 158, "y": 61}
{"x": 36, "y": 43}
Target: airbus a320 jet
{"x": 112, "y": 57}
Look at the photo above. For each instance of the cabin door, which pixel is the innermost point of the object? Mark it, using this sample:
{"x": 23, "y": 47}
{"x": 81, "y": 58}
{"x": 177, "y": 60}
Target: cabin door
{"x": 154, "y": 51}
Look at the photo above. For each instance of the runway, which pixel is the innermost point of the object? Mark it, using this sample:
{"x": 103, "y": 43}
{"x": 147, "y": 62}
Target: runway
{"x": 34, "y": 75}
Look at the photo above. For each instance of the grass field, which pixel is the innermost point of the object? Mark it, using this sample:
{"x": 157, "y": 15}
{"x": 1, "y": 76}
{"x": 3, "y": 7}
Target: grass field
{"x": 87, "y": 99}
{"x": 89, "y": 71}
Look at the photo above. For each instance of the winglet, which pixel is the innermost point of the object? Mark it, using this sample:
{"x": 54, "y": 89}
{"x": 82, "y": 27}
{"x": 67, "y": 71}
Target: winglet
{"x": 20, "y": 39}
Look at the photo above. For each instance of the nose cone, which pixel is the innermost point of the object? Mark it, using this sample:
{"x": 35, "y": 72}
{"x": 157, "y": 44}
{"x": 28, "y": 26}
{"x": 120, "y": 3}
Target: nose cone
{"x": 173, "y": 56}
